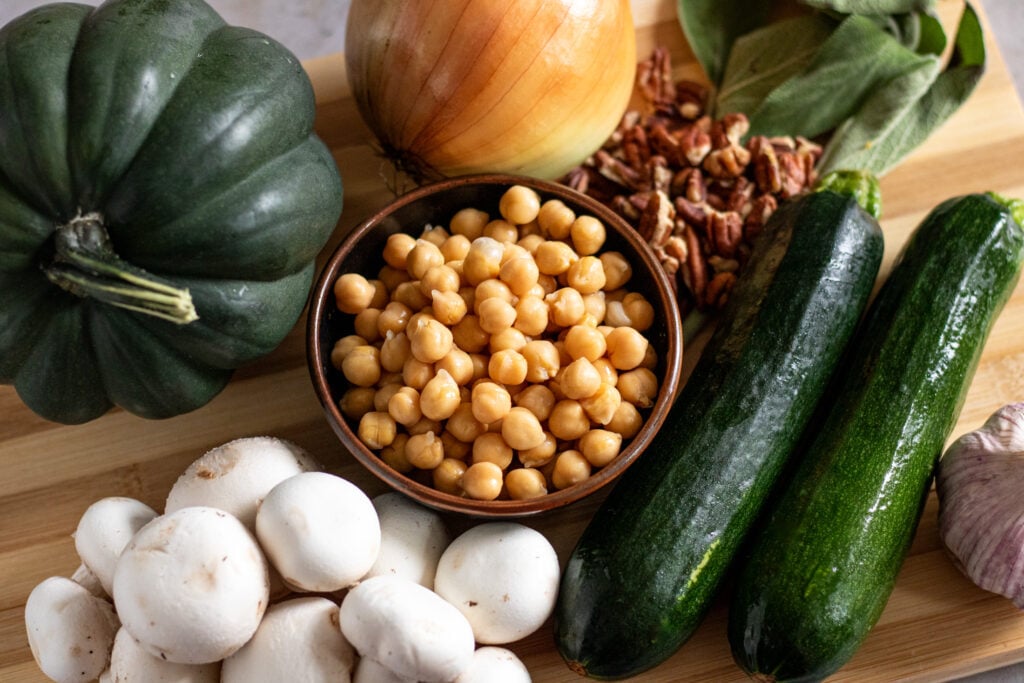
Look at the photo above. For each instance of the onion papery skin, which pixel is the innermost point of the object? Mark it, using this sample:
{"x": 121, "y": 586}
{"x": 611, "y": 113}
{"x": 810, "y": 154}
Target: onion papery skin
{"x": 453, "y": 87}
{"x": 981, "y": 509}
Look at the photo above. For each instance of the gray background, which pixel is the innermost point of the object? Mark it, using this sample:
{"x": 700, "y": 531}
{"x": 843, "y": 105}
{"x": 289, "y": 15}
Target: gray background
{"x": 316, "y": 27}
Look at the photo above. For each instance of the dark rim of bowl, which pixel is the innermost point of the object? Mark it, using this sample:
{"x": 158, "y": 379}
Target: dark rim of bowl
{"x": 318, "y": 357}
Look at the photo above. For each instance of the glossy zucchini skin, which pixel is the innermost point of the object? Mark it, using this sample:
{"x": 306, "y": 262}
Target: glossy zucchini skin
{"x": 647, "y": 567}
{"x": 823, "y": 568}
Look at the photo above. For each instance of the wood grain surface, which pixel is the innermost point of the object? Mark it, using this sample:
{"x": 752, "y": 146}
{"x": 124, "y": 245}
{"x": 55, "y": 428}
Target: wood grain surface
{"x": 937, "y": 625}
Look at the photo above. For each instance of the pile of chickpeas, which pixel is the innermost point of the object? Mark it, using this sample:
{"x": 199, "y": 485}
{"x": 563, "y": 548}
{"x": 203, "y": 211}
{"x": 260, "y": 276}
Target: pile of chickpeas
{"x": 501, "y": 357}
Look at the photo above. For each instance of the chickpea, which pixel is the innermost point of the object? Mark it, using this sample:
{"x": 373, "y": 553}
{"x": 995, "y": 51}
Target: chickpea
{"x": 424, "y": 451}
{"x": 453, "y": 448}
{"x": 381, "y": 295}
{"x": 449, "y": 307}
{"x": 531, "y": 315}
{"x": 538, "y": 399}
{"x": 447, "y": 477}
{"x": 491, "y": 289}
{"x": 539, "y": 455}
{"x": 495, "y": 315}
{"x": 440, "y": 397}
{"x": 480, "y": 362}
{"x": 579, "y": 379}
{"x": 490, "y": 402}
{"x": 588, "y": 235}
{"x": 404, "y": 406}
{"x": 556, "y": 219}
{"x": 429, "y": 340}
{"x": 509, "y": 338}
{"x": 554, "y": 258}
{"x": 548, "y": 283}
{"x": 423, "y": 426}
{"x": 521, "y": 429}
{"x": 600, "y": 446}
{"x": 410, "y": 294}
{"x": 524, "y": 483}
{"x": 392, "y": 277}
{"x": 393, "y": 318}
{"x": 491, "y": 447}
{"x": 365, "y": 324}
{"x": 463, "y": 425}
{"x": 602, "y": 404}
{"x": 508, "y": 367}
{"x": 584, "y": 341}
{"x": 376, "y": 430}
{"x": 469, "y": 336}
{"x": 650, "y": 360}
{"x": 501, "y": 230}
{"x": 383, "y": 395}
{"x": 626, "y": 348}
{"x": 361, "y": 366}
{"x": 469, "y": 223}
{"x": 530, "y": 241}
{"x": 609, "y": 375}
{"x": 570, "y": 468}
{"x": 638, "y": 310}
{"x": 440, "y": 278}
{"x": 455, "y": 248}
{"x": 352, "y": 293}
{"x": 519, "y": 204}
{"x": 397, "y": 248}
{"x": 343, "y": 347}
{"x": 416, "y": 373}
{"x": 531, "y": 228}
{"x": 565, "y": 307}
{"x": 586, "y": 276}
{"x": 626, "y": 421}
{"x": 639, "y": 387}
{"x": 520, "y": 274}
{"x": 568, "y": 420}
{"x": 482, "y": 481}
{"x": 483, "y": 261}
{"x": 468, "y": 295}
{"x": 393, "y": 455}
{"x": 596, "y": 307}
{"x": 356, "y": 402}
{"x": 512, "y": 252}
{"x": 542, "y": 360}
{"x": 617, "y": 270}
{"x": 458, "y": 364}
{"x": 435, "y": 235}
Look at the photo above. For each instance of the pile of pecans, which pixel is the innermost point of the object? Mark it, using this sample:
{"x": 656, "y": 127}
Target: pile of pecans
{"x": 690, "y": 185}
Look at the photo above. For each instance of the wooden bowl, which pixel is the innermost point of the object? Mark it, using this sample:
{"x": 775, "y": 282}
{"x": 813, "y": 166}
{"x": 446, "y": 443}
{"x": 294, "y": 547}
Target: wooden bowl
{"x": 361, "y": 252}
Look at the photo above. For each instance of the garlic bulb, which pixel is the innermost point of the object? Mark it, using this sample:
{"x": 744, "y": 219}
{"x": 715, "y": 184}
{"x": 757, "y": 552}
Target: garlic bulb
{"x": 981, "y": 510}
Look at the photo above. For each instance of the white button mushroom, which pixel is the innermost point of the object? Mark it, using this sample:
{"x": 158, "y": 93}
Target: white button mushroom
{"x": 412, "y": 539}
{"x": 130, "y": 663}
{"x": 503, "y": 577}
{"x": 192, "y": 586}
{"x": 70, "y": 630}
{"x": 298, "y": 640}
{"x": 495, "y": 665}
{"x": 105, "y": 529}
{"x": 408, "y": 629}
{"x": 371, "y": 671}
{"x": 237, "y": 475}
{"x": 319, "y": 531}
{"x": 84, "y": 577}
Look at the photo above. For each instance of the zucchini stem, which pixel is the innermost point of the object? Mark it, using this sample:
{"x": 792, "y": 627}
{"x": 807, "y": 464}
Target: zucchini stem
{"x": 861, "y": 185}
{"x": 85, "y": 265}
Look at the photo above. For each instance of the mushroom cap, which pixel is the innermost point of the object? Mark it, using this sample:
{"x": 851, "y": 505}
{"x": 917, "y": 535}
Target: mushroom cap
{"x": 371, "y": 671}
{"x": 192, "y": 585}
{"x": 237, "y": 475}
{"x": 503, "y": 577}
{"x": 131, "y": 663}
{"x": 70, "y": 630}
{"x": 319, "y": 531}
{"x": 298, "y": 640}
{"x": 412, "y": 538}
{"x": 495, "y": 665}
{"x": 104, "y": 530}
{"x": 407, "y": 628}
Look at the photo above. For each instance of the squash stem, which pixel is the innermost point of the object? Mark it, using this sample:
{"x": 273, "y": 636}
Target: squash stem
{"x": 86, "y": 265}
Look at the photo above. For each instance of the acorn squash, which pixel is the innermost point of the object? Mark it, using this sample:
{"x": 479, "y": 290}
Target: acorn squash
{"x": 163, "y": 198}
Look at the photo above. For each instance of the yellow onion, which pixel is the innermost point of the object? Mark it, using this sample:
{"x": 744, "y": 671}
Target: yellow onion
{"x": 452, "y": 87}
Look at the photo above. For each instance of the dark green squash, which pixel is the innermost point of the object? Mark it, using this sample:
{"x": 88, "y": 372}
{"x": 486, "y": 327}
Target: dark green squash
{"x": 162, "y": 201}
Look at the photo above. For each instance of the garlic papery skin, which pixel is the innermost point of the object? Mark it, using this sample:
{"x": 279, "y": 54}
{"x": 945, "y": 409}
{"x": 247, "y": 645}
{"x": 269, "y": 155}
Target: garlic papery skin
{"x": 981, "y": 509}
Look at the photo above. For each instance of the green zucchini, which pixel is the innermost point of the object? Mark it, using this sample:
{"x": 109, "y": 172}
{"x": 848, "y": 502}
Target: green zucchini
{"x": 647, "y": 567}
{"x": 823, "y": 567}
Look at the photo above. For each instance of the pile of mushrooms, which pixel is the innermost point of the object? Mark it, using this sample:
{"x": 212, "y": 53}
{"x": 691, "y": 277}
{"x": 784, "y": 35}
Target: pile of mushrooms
{"x": 263, "y": 567}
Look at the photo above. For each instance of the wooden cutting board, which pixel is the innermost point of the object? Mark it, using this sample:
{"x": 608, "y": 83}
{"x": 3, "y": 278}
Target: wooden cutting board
{"x": 936, "y": 626}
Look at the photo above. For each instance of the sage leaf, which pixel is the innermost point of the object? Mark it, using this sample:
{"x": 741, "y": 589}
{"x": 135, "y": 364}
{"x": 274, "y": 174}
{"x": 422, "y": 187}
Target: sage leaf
{"x": 900, "y": 115}
{"x": 845, "y": 71}
{"x": 757, "y": 65}
{"x": 711, "y": 27}
{"x": 872, "y": 6}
